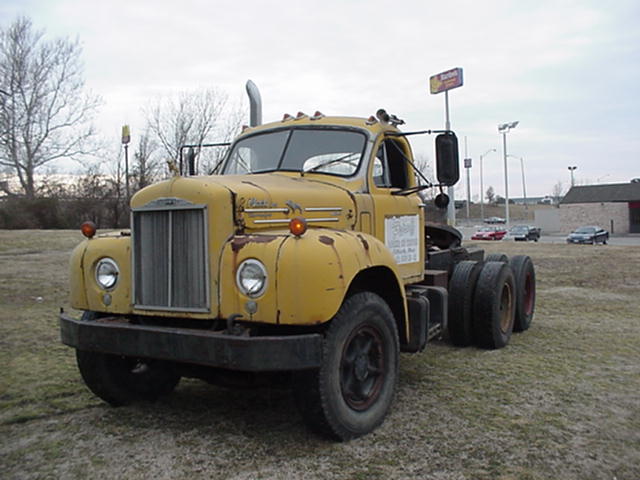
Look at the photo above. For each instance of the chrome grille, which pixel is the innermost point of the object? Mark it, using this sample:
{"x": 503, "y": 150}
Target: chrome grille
{"x": 170, "y": 264}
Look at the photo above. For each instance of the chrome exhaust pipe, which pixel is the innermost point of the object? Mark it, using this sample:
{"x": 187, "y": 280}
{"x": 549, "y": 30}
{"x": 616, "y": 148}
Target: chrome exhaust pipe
{"x": 255, "y": 104}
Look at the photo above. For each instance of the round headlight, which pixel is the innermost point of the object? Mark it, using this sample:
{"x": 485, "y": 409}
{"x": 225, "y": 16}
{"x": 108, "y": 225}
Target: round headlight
{"x": 107, "y": 272}
{"x": 251, "y": 278}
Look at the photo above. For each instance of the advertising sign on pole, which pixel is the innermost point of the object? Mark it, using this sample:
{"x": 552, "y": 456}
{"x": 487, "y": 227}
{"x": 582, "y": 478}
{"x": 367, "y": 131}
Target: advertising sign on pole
{"x": 444, "y": 81}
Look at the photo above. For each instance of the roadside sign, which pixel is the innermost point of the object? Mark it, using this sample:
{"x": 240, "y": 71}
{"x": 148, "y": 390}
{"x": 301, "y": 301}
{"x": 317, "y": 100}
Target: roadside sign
{"x": 446, "y": 80}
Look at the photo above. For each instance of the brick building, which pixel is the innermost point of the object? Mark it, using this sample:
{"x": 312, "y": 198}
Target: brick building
{"x": 614, "y": 206}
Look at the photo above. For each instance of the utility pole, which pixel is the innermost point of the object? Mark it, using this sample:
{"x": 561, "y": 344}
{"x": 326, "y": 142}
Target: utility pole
{"x": 126, "y": 138}
{"x": 503, "y": 129}
{"x": 467, "y": 166}
{"x": 481, "y": 183}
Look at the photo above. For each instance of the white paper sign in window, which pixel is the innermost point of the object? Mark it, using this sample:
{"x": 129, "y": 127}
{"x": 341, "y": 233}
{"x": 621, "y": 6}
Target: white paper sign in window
{"x": 401, "y": 236}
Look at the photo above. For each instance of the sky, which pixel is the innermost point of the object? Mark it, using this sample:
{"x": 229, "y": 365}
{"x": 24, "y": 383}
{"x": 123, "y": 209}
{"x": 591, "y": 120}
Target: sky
{"x": 568, "y": 71}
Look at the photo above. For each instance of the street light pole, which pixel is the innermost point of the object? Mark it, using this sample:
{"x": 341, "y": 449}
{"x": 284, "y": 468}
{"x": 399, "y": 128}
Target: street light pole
{"x": 503, "y": 129}
{"x": 524, "y": 187}
{"x": 481, "y": 184}
{"x": 571, "y": 169}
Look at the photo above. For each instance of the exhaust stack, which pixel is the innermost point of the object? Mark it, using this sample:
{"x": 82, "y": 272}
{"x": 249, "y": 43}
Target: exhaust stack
{"x": 255, "y": 104}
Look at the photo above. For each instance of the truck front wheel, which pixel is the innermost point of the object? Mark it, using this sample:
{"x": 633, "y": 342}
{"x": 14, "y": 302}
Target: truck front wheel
{"x": 352, "y": 391}
{"x": 120, "y": 380}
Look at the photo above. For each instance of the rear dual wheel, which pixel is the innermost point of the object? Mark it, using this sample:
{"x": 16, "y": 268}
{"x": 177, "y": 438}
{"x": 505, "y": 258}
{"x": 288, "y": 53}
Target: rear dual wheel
{"x": 494, "y": 305}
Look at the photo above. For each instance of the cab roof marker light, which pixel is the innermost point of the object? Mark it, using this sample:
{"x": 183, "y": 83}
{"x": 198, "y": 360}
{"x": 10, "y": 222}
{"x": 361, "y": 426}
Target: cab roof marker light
{"x": 287, "y": 117}
{"x": 318, "y": 115}
{"x": 371, "y": 120}
{"x": 301, "y": 115}
{"x": 245, "y": 128}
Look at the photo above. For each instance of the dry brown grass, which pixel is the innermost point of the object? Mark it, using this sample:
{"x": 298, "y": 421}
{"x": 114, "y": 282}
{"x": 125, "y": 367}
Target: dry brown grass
{"x": 561, "y": 401}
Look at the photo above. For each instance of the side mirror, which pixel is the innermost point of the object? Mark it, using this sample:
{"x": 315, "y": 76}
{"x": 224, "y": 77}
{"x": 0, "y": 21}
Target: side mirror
{"x": 447, "y": 162}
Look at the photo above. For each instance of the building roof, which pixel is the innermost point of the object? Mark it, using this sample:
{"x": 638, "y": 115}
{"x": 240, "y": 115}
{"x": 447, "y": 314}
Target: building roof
{"x": 612, "y": 192}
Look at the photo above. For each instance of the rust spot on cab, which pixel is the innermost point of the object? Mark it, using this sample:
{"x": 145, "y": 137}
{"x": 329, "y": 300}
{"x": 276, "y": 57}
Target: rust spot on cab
{"x": 326, "y": 240}
{"x": 238, "y": 243}
{"x": 364, "y": 242}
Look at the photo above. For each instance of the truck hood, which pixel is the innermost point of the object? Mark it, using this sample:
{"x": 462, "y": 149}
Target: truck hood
{"x": 271, "y": 200}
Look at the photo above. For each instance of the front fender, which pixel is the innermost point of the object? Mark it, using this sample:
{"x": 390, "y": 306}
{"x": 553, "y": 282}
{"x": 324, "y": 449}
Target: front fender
{"x": 308, "y": 276}
{"x": 84, "y": 291}
{"x": 316, "y": 270}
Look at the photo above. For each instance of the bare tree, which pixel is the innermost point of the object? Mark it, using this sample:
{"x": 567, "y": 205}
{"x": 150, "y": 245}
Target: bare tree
{"x": 44, "y": 112}
{"x": 188, "y": 118}
{"x": 424, "y": 165}
{"x": 490, "y": 194}
{"x": 146, "y": 168}
{"x": 557, "y": 192}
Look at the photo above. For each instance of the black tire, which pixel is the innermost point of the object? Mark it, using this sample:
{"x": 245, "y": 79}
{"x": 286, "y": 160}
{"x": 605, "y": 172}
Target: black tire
{"x": 525, "y": 277}
{"x": 461, "y": 290}
{"x": 120, "y": 380}
{"x": 494, "y": 305}
{"x": 352, "y": 391}
{"x": 496, "y": 257}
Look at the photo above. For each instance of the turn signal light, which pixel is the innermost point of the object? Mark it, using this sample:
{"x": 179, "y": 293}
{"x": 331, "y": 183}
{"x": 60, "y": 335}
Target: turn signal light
{"x": 298, "y": 226}
{"x": 88, "y": 229}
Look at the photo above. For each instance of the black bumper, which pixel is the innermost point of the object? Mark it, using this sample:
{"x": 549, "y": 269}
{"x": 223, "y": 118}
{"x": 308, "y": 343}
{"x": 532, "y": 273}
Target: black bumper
{"x": 202, "y": 347}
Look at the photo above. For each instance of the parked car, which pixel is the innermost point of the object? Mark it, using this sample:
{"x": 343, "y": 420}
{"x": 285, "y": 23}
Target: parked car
{"x": 495, "y": 220}
{"x": 523, "y": 233}
{"x": 589, "y": 234}
{"x": 489, "y": 233}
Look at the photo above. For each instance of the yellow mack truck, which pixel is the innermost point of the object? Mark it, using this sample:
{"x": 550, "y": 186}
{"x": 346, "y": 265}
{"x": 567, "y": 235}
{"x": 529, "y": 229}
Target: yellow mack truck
{"x": 307, "y": 256}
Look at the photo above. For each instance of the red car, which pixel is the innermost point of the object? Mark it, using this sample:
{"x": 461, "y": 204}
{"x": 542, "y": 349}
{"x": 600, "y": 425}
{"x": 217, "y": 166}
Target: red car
{"x": 490, "y": 233}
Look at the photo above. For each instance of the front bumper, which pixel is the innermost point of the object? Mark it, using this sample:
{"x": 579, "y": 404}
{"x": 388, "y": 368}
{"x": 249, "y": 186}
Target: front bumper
{"x": 580, "y": 240}
{"x": 115, "y": 335}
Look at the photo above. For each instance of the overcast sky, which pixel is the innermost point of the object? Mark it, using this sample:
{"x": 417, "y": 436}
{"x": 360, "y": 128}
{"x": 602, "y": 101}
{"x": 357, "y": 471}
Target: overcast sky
{"x": 568, "y": 71}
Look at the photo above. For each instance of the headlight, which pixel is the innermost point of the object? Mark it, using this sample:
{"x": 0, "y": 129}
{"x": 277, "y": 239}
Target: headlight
{"x": 107, "y": 272}
{"x": 251, "y": 278}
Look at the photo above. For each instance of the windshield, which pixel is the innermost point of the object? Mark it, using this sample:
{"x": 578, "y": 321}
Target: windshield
{"x": 336, "y": 152}
{"x": 519, "y": 229}
{"x": 586, "y": 230}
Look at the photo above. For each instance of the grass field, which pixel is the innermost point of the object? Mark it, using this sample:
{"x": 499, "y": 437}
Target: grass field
{"x": 560, "y": 402}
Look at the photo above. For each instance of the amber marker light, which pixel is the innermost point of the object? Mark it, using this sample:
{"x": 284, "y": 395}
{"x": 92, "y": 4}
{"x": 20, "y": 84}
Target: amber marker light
{"x": 298, "y": 226}
{"x": 88, "y": 229}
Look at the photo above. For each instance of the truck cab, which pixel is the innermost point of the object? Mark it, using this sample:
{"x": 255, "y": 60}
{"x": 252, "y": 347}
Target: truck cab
{"x": 306, "y": 252}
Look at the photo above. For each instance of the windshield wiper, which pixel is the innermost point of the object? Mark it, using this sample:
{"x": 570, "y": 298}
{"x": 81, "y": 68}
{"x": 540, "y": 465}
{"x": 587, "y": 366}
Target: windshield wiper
{"x": 330, "y": 162}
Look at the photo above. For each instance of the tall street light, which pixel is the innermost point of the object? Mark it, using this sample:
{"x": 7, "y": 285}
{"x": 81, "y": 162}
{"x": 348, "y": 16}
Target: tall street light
{"x": 503, "y": 129}
{"x": 524, "y": 187}
{"x": 571, "y": 169}
{"x": 481, "y": 185}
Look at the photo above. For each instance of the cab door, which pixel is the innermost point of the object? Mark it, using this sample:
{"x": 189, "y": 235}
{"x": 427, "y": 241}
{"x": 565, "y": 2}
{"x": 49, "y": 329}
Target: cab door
{"x": 398, "y": 219}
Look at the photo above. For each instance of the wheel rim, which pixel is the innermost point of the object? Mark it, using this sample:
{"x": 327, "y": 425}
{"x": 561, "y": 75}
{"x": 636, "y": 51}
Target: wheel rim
{"x": 362, "y": 368}
{"x": 506, "y": 303}
{"x": 528, "y": 295}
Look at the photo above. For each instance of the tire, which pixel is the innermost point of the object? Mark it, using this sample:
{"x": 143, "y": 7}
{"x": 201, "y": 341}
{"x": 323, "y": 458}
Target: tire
{"x": 497, "y": 257}
{"x": 461, "y": 290}
{"x": 352, "y": 391}
{"x": 120, "y": 380}
{"x": 525, "y": 278}
{"x": 494, "y": 305}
